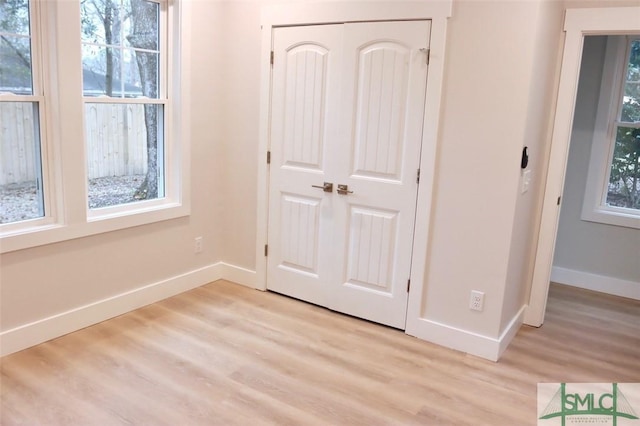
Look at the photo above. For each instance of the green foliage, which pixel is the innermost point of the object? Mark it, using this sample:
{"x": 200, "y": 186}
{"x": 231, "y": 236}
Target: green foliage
{"x": 631, "y": 99}
{"x": 624, "y": 181}
{"x": 15, "y": 46}
{"x": 14, "y": 16}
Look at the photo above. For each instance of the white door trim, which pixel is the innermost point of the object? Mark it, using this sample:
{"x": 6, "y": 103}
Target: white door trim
{"x": 340, "y": 12}
{"x": 578, "y": 23}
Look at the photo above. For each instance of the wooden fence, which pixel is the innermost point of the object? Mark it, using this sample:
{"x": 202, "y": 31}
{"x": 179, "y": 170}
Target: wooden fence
{"x": 115, "y": 134}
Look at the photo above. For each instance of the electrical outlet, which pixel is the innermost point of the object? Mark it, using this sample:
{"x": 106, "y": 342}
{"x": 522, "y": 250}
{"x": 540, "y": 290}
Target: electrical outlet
{"x": 476, "y": 303}
{"x": 198, "y": 245}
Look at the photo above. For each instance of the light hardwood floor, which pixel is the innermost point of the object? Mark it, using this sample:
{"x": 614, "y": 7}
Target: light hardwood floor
{"x": 225, "y": 354}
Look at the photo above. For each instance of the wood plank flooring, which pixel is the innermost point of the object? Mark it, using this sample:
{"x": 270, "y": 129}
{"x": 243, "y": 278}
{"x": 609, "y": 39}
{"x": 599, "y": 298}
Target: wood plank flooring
{"x": 223, "y": 354}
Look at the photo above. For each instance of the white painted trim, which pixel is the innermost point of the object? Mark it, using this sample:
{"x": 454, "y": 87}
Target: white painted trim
{"x": 601, "y": 283}
{"x": 352, "y": 11}
{"x": 603, "y": 20}
{"x": 264, "y": 145}
{"x": 238, "y": 275}
{"x": 578, "y": 23}
{"x": 510, "y": 331}
{"x": 40, "y": 331}
{"x": 463, "y": 340}
{"x": 594, "y": 207}
{"x": 45, "y": 329}
{"x": 421, "y": 236}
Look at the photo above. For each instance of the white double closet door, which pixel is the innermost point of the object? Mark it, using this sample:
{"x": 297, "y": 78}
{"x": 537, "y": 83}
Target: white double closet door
{"x": 347, "y": 109}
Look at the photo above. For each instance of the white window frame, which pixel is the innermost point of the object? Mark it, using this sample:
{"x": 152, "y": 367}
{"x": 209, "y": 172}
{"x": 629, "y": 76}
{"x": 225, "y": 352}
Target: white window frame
{"x": 163, "y": 99}
{"x": 68, "y": 216}
{"x": 40, "y": 95}
{"x": 594, "y": 207}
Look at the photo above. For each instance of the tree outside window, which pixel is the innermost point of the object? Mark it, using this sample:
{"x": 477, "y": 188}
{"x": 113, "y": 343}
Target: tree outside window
{"x": 124, "y": 100}
{"x": 21, "y": 184}
{"x": 624, "y": 176}
{"x": 128, "y": 56}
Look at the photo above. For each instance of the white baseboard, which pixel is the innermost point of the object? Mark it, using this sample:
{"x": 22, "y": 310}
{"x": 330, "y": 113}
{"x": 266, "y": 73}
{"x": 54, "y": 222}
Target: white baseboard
{"x": 466, "y": 341}
{"x": 238, "y": 275}
{"x": 510, "y": 332}
{"x": 40, "y": 331}
{"x": 601, "y": 283}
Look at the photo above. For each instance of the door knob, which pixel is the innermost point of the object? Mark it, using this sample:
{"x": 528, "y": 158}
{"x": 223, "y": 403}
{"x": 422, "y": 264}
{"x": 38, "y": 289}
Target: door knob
{"x": 344, "y": 189}
{"x": 326, "y": 187}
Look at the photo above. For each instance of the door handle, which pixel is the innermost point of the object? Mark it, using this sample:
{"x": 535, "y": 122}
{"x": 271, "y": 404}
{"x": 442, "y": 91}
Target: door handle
{"x": 326, "y": 187}
{"x": 344, "y": 189}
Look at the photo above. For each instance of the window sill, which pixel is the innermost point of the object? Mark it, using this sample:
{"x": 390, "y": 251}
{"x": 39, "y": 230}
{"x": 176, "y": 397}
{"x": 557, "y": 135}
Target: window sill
{"x": 616, "y": 217}
{"x": 46, "y": 233}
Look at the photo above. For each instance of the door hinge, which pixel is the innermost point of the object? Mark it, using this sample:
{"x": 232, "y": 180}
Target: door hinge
{"x": 559, "y": 198}
{"x": 427, "y": 54}
{"x": 271, "y": 57}
{"x": 408, "y": 284}
{"x": 268, "y": 157}
{"x": 418, "y": 176}
{"x": 266, "y": 249}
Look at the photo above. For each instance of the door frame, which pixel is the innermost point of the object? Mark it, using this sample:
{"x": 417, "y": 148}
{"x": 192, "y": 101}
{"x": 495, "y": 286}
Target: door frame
{"x": 578, "y": 23}
{"x": 343, "y": 12}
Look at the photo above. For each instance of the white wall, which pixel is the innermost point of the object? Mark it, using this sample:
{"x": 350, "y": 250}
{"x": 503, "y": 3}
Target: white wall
{"x": 542, "y": 91}
{"x": 581, "y": 246}
{"x": 241, "y": 55}
{"x": 493, "y": 103}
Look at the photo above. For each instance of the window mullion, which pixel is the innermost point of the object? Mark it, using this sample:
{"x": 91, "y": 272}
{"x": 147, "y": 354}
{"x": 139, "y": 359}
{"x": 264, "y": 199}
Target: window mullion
{"x": 69, "y": 109}
{"x": 633, "y": 125}
{"x": 108, "y": 100}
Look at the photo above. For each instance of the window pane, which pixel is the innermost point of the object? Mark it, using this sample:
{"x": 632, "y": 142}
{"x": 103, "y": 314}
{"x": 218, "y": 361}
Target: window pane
{"x": 101, "y": 71}
{"x": 631, "y": 99}
{"x": 124, "y": 153}
{"x": 624, "y": 180}
{"x": 143, "y": 37}
{"x": 102, "y": 22}
{"x": 120, "y": 53}
{"x": 633, "y": 71}
{"x": 140, "y": 66}
{"x": 631, "y": 103}
{"x": 145, "y": 18}
{"x": 14, "y": 16}
{"x": 20, "y": 172}
{"x": 15, "y": 65}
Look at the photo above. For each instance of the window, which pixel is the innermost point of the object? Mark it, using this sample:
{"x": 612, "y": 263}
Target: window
{"x": 124, "y": 92}
{"x": 21, "y": 97}
{"x": 106, "y": 75}
{"x": 612, "y": 193}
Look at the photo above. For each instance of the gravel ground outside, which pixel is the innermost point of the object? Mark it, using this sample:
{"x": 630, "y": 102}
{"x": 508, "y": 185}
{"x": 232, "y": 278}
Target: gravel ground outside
{"x": 19, "y": 201}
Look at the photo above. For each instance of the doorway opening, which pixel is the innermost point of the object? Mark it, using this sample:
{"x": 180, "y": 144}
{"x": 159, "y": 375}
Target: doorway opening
{"x": 579, "y": 23}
